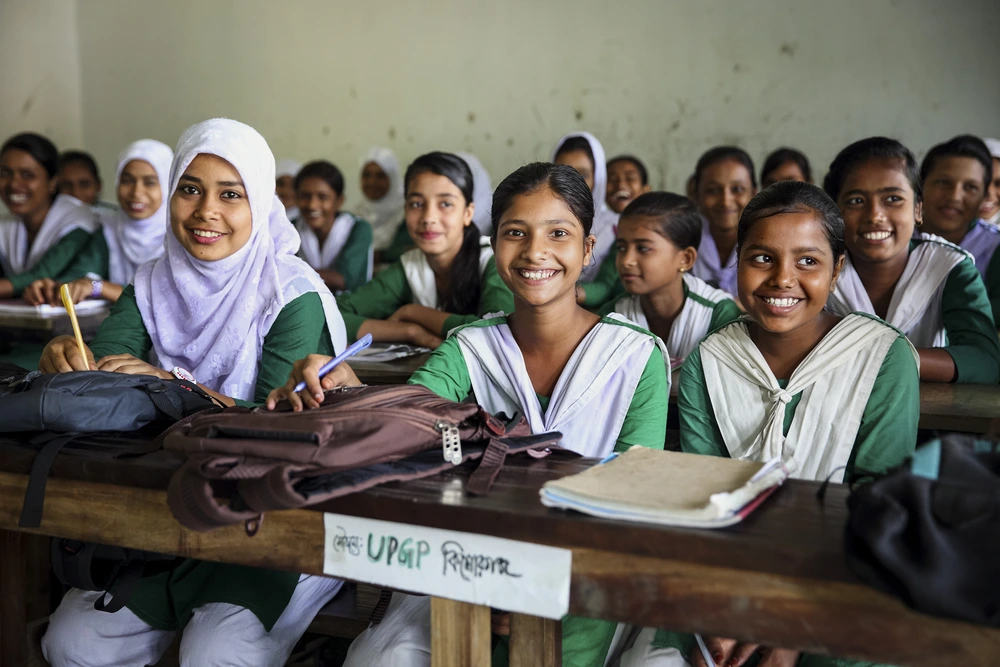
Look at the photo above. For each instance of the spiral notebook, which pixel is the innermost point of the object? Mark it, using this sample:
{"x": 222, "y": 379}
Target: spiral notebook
{"x": 668, "y": 488}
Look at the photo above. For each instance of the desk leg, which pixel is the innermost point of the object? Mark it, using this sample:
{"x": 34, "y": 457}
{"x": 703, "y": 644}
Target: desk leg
{"x": 460, "y": 634}
{"x": 13, "y": 598}
{"x": 535, "y": 642}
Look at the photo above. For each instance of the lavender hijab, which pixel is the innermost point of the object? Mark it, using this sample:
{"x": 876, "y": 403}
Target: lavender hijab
{"x": 134, "y": 242}
{"x": 211, "y": 317}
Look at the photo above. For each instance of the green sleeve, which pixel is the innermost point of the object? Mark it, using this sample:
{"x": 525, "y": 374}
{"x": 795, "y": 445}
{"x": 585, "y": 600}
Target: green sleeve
{"x": 401, "y": 242}
{"x": 606, "y": 283}
{"x": 699, "y": 431}
{"x": 445, "y": 373}
{"x": 55, "y": 260}
{"x": 968, "y": 321}
{"x": 300, "y": 329}
{"x": 586, "y": 641}
{"x": 494, "y": 297}
{"x": 646, "y": 421}
{"x": 352, "y": 263}
{"x": 608, "y": 307}
{"x": 888, "y": 430}
{"x": 94, "y": 258}
{"x": 725, "y": 311}
{"x": 376, "y": 300}
{"x": 993, "y": 284}
{"x": 123, "y": 332}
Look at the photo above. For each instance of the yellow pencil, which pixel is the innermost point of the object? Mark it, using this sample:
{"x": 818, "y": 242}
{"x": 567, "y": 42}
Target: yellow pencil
{"x": 68, "y": 303}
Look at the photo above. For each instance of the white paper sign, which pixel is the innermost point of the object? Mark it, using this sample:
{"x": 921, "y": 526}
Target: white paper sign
{"x": 505, "y": 574}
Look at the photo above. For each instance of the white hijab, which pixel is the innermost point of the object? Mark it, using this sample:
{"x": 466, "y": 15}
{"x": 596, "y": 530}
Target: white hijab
{"x": 482, "y": 193}
{"x": 211, "y": 317}
{"x": 605, "y": 220}
{"x": 134, "y": 242}
{"x": 385, "y": 214}
{"x": 287, "y": 168}
{"x": 66, "y": 214}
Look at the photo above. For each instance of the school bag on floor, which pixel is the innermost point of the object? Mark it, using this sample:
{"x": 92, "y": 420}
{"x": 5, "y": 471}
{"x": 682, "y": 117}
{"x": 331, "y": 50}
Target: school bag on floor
{"x": 359, "y": 437}
{"x": 929, "y": 531}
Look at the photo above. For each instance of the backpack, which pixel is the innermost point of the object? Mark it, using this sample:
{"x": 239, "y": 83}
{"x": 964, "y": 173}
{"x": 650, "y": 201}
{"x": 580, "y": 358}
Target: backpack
{"x": 358, "y": 438}
{"x": 929, "y": 531}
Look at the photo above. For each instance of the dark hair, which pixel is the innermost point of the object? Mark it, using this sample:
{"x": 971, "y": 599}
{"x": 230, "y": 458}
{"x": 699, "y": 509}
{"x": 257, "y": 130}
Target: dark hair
{"x": 577, "y": 144}
{"x": 324, "y": 170}
{"x": 86, "y": 159}
{"x": 465, "y": 285}
{"x": 38, "y": 147}
{"x": 783, "y": 156}
{"x": 635, "y": 161}
{"x": 794, "y": 197}
{"x": 719, "y": 154}
{"x": 564, "y": 181}
{"x": 678, "y": 217}
{"x": 867, "y": 150}
{"x": 964, "y": 145}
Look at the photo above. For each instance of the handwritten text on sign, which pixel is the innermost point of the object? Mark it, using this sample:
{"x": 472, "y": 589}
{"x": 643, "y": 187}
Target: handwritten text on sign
{"x": 509, "y": 575}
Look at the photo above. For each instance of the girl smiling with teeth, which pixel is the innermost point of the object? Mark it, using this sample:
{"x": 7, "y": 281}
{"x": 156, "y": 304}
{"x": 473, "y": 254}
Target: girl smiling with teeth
{"x": 925, "y": 286}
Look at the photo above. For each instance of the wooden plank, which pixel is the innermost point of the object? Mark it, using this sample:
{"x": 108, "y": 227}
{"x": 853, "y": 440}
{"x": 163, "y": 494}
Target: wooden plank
{"x": 460, "y": 634}
{"x": 13, "y": 599}
{"x": 535, "y": 642}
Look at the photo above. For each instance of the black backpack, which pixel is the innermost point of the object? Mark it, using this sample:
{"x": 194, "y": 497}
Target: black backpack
{"x": 929, "y": 531}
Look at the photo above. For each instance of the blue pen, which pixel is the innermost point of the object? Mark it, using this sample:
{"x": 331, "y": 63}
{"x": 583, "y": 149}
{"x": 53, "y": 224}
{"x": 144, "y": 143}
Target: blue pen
{"x": 353, "y": 349}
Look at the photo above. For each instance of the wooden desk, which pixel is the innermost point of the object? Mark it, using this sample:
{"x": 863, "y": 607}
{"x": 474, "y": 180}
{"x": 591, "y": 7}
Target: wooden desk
{"x": 37, "y": 329}
{"x": 397, "y": 371}
{"x": 779, "y": 577}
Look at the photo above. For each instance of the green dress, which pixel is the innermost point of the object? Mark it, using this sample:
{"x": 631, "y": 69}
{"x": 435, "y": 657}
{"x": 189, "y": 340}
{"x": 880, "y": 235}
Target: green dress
{"x": 389, "y": 291}
{"x": 165, "y": 601}
{"x": 93, "y": 259}
{"x": 606, "y": 285}
{"x": 53, "y": 263}
{"x": 585, "y": 641}
{"x": 352, "y": 262}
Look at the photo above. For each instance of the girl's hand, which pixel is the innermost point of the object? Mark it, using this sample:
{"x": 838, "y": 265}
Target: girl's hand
{"x": 62, "y": 355}
{"x": 421, "y": 337}
{"x": 129, "y": 365}
{"x": 42, "y": 291}
{"x": 80, "y": 289}
{"x": 307, "y": 370}
{"x": 725, "y": 652}
{"x": 403, "y": 314}
{"x": 779, "y": 657}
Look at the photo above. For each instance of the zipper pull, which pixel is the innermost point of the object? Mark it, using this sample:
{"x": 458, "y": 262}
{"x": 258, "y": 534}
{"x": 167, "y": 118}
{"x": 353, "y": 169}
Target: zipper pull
{"x": 451, "y": 442}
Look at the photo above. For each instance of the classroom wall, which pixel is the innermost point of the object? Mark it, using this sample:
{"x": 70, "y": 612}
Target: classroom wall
{"x": 664, "y": 79}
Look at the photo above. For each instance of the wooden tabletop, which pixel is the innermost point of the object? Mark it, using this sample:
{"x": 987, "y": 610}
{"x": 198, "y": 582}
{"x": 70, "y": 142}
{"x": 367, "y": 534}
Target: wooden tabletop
{"x": 779, "y": 577}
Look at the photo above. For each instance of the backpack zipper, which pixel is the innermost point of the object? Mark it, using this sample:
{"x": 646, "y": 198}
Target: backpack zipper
{"x": 451, "y": 441}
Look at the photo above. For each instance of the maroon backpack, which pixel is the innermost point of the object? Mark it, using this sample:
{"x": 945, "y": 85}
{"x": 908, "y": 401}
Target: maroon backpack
{"x": 358, "y": 438}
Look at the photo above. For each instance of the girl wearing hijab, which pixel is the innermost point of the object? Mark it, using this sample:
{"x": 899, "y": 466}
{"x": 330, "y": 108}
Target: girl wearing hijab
{"x": 130, "y": 235}
{"x": 382, "y": 196}
{"x": 482, "y": 193}
{"x": 990, "y": 210}
{"x": 228, "y": 306}
{"x": 44, "y": 232}
{"x": 285, "y": 172}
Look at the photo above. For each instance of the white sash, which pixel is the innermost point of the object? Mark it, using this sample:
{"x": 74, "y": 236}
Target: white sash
{"x": 591, "y": 396}
{"x": 835, "y": 380}
{"x": 692, "y": 323}
{"x": 66, "y": 214}
{"x": 323, "y": 258}
{"x": 420, "y": 275}
{"x": 915, "y": 308}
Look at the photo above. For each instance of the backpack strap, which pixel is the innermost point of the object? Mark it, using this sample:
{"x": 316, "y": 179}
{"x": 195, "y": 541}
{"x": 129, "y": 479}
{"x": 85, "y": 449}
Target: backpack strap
{"x": 34, "y": 495}
{"x": 481, "y": 480}
{"x": 123, "y": 583}
{"x": 378, "y": 612}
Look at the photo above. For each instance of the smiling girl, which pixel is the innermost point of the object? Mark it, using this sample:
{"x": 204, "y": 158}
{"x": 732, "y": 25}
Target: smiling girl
{"x": 658, "y": 237}
{"x": 337, "y": 244}
{"x": 923, "y": 285}
{"x": 956, "y": 177}
{"x": 229, "y": 301}
{"x": 44, "y": 232}
{"x": 602, "y": 382}
{"x": 723, "y": 183}
{"x": 382, "y": 196}
{"x": 130, "y": 235}
{"x": 449, "y": 279}
{"x": 832, "y": 397}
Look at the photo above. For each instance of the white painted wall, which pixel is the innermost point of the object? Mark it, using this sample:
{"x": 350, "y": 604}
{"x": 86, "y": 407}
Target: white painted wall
{"x": 40, "y": 70}
{"x": 664, "y": 79}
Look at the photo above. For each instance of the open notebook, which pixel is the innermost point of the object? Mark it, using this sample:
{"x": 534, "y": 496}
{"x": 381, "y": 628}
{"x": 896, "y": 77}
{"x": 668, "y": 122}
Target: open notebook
{"x": 19, "y": 307}
{"x": 668, "y": 488}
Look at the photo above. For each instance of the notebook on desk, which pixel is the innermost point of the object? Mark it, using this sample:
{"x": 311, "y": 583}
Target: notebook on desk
{"x": 668, "y": 488}
{"x": 19, "y": 307}
{"x": 388, "y": 352}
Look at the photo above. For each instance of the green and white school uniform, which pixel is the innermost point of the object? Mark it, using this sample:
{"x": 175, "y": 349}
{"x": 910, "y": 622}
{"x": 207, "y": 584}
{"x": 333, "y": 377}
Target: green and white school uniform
{"x": 939, "y": 301}
{"x": 411, "y": 280}
{"x": 64, "y": 233}
{"x": 848, "y": 410}
{"x": 705, "y": 309}
{"x": 606, "y": 283}
{"x": 611, "y": 395}
{"x": 347, "y": 249}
